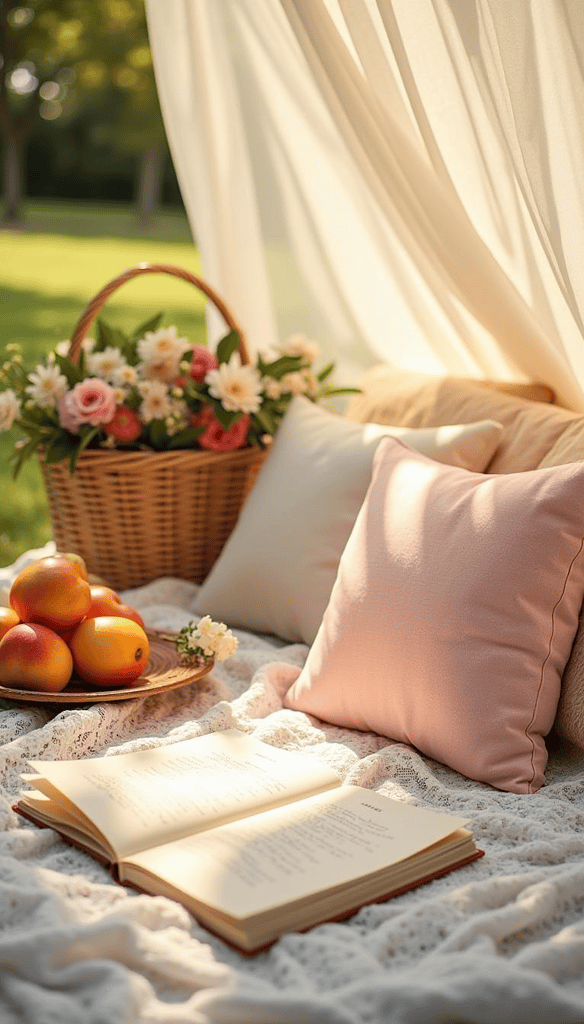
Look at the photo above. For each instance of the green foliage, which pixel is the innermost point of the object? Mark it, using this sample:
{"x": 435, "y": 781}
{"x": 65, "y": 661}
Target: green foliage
{"x": 227, "y": 346}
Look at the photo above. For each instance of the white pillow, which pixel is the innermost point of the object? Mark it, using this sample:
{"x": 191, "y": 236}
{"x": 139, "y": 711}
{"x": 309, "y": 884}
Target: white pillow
{"x": 277, "y": 570}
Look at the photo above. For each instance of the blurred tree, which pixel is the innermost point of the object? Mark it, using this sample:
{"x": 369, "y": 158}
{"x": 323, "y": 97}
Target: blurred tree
{"x": 60, "y": 59}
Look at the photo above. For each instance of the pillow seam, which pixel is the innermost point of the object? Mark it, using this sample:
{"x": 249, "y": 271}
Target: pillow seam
{"x": 546, "y": 659}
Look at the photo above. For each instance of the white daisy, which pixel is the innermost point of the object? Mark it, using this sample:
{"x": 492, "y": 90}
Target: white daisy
{"x": 9, "y": 409}
{"x": 124, "y": 376}
{"x": 238, "y": 387}
{"x": 162, "y": 346}
{"x": 104, "y": 364}
{"x": 298, "y": 345}
{"x": 156, "y": 404}
{"x": 47, "y": 386}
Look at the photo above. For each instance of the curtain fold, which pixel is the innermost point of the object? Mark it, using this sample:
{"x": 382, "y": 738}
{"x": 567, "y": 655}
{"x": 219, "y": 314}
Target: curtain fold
{"x": 399, "y": 179}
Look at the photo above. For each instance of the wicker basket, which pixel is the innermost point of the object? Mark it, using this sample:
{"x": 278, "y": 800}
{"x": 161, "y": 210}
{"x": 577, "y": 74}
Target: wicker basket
{"x": 135, "y": 516}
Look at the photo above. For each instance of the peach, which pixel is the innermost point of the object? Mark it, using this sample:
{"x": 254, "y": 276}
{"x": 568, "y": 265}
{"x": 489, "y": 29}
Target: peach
{"x": 52, "y": 592}
{"x": 8, "y": 619}
{"x": 77, "y": 560}
{"x": 33, "y": 657}
{"x": 105, "y": 601}
{"x": 109, "y": 651}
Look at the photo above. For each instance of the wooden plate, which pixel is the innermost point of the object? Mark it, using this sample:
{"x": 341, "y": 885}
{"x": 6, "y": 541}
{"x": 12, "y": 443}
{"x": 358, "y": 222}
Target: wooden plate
{"x": 164, "y": 671}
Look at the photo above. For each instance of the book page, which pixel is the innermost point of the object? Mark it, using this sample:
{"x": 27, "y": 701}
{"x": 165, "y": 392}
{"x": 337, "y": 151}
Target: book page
{"x": 250, "y": 866}
{"x": 152, "y": 796}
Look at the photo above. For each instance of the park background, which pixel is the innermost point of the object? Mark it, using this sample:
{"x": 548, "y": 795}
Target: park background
{"x": 88, "y": 189}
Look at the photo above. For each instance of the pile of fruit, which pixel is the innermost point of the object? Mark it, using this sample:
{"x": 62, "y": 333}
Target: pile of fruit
{"x": 58, "y": 623}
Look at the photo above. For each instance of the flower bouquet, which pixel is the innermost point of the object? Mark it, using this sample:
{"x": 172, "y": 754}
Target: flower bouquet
{"x": 149, "y": 444}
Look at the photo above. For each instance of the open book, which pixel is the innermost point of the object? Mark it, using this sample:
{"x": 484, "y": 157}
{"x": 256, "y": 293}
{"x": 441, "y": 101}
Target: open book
{"x": 253, "y": 840}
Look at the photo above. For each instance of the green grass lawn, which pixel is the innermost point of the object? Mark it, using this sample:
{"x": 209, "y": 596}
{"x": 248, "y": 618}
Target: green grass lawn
{"x": 49, "y": 270}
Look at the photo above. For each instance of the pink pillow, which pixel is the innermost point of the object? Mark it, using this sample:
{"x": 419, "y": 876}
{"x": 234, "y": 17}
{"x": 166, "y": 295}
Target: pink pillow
{"x": 453, "y": 614}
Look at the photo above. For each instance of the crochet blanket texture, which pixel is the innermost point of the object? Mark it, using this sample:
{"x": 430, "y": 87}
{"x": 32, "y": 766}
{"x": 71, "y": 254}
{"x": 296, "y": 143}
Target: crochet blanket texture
{"x": 500, "y": 941}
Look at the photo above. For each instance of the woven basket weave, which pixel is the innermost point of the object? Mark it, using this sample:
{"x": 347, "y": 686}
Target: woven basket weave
{"x": 136, "y": 516}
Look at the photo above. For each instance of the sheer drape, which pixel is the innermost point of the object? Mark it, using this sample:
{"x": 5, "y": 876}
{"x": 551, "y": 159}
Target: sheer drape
{"x": 400, "y": 179}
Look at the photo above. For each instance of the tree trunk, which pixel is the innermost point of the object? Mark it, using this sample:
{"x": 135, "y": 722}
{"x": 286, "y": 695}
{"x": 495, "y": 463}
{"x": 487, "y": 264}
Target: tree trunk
{"x": 150, "y": 183}
{"x": 13, "y": 173}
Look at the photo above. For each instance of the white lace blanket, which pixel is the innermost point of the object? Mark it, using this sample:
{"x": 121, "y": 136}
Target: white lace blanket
{"x": 499, "y": 941}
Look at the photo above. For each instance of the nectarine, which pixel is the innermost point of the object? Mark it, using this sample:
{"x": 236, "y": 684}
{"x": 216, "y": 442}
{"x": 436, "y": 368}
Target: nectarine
{"x": 52, "y": 592}
{"x": 109, "y": 651}
{"x": 105, "y": 601}
{"x": 33, "y": 657}
{"x": 8, "y": 619}
{"x": 77, "y": 560}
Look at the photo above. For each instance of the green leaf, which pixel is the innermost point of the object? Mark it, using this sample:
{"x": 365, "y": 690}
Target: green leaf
{"x": 282, "y": 365}
{"x": 150, "y": 325}
{"x": 267, "y": 422}
{"x": 186, "y": 438}
{"x": 225, "y": 417}
{"x": 86, "y": 439}
{"x": 227, "y": 346}
{"x": 130, "y": 351}
{"x": 72, "y": 371}
{"x": 158, "y": 434}
{"x": 35, "y": 424}
{"x": 22, "y": 455}
{"x": 109, "y": 337}
{"x": 326, "y": 372}
{"x": 327, "y": 392}
{"x": 59, "y": 448}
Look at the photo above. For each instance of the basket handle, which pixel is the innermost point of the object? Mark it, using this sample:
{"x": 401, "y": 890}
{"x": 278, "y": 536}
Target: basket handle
{"x": 92, "y": 309}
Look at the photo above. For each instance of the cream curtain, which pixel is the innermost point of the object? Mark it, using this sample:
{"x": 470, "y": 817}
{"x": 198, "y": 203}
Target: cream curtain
{"x": 402, "y": 180}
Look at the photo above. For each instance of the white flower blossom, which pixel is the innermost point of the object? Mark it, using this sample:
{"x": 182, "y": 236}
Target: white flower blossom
{"x": 156, "y": 403}
{"x": 9, "y": 409}
{"x": 294, "y": 382}
{"x": 272, "y": 387}
{"x": 178, "y": 418}
{"x": 105, "y": 364}
{"x": 62, "y": 349}
{"x": 165, "y": 370}
{"x": 298, "y": 345}
{"x": 207, "y": 638}
{"x": 47, "y": 386}
{"x": 237, "y": 387}
{"x": 124, "y": 376}
{"x": 162, "y": 346}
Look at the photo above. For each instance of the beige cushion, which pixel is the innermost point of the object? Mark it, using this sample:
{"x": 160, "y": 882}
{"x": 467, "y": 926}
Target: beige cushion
{"x": 277, "y": 570}
{"x": 530, "y": 429}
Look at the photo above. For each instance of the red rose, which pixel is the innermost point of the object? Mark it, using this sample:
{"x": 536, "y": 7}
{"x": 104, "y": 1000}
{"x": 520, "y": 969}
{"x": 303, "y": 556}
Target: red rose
{"x": 214, "y": 438}
{"x": 202, "y": 362}
{"x": 125, "y": 425}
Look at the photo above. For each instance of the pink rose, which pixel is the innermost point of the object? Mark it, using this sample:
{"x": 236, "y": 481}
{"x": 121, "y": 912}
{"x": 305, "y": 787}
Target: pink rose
{"x": 67, "y": 420}
{"x": 214, "y": 438}
{"x": 91, "y": 401}
{"x": 202, "y": 362}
